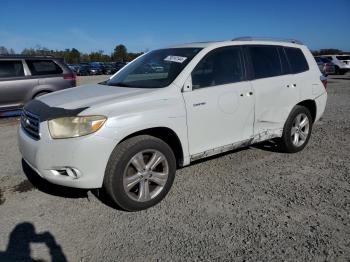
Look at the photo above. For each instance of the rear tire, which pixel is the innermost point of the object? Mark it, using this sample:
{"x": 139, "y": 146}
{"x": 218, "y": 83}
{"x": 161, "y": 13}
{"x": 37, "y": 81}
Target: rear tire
{"x": 139, "y": 173}
{"x": 297, "y": 130}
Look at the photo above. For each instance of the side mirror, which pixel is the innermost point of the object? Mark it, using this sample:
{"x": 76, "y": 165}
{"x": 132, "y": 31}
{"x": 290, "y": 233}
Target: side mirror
{"x": 187, "y": 87}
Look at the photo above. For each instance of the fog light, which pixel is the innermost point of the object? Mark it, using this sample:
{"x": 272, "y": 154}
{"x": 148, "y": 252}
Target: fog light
{"x": 67, "y": 171}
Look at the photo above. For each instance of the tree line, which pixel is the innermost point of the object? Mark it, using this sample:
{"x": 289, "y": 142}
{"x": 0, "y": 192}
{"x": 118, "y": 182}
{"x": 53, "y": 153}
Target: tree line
{"x": 74, "y": 56}
{"x": 329, "y": 51}
{"x": 120, "y": 53}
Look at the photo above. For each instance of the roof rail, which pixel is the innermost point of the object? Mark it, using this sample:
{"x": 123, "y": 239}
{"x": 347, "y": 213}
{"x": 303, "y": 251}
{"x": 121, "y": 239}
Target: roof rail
{"x": 250, "y": 38}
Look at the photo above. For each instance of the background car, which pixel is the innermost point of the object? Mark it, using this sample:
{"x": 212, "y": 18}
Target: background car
{"x": 119, "y": 65}
{"x": 341, "y": 63}
{"x": 23, "y": 78}
{"x": 325, "y": 65}
{"x": 84, "y": 69}
{"x": 96, "y": 68}
{"x": 109, "y": 69}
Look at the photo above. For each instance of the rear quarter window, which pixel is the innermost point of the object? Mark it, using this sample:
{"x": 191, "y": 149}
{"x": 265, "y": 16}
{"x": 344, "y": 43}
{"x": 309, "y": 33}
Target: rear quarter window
{"x": 296, "y": 59}
{"x": 44, "y": 67}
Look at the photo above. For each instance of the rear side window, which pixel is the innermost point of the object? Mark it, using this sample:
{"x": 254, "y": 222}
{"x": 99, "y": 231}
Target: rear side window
{"x": 265, "y": 61}
{"x": 43, "y": 67}
{"x": 297, "y": 60}
{"x": 11, "y": 69}
{"x": 219, "y": 67}
{"x": 343, "y": 57}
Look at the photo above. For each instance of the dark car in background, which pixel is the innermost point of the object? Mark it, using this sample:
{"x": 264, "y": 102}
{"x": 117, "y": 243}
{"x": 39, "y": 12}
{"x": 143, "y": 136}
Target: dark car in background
{"x": 80, "y": 70}
{"x": 96, "y": 68}
{"x": 119, "y": 65}
{"x": 109, "y": 69}
{"x": 23, "y": 78}
{"x": 325, "y": 65}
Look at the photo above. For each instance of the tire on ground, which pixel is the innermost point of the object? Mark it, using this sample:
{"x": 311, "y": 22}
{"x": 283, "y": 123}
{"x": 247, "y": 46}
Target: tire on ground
{"x": 118, "y": 161}
{"x": 286, "y": 142}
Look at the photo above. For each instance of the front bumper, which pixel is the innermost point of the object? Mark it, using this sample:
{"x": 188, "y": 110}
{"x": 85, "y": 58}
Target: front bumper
{"x": 87, "y": 155}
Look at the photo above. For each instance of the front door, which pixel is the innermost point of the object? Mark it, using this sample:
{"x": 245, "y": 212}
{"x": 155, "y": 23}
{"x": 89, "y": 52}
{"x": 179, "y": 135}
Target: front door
{"x": 220, "y": 106}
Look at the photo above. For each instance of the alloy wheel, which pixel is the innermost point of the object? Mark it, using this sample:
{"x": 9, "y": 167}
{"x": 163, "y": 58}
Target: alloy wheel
{"x": 145, "y": 175}
{"x": 300, "y": 129}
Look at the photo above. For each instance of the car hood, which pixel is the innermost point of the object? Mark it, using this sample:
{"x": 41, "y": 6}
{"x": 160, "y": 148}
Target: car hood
{"x": 92, "y": 96}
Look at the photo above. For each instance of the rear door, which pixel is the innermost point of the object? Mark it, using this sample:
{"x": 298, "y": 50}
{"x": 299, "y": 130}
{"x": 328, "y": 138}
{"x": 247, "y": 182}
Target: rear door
{"x": 220, "y": 106}
{"x": 275, "y": 90}
{"x": 15, "y": 84}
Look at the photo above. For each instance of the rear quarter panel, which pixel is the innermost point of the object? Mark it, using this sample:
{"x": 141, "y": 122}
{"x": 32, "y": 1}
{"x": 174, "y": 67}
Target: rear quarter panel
{"x": 51, "y": 84}
{"x": 311, "y": 86}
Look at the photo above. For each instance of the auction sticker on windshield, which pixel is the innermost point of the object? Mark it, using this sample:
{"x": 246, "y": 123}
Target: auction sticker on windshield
{"x": 177, "y": 59}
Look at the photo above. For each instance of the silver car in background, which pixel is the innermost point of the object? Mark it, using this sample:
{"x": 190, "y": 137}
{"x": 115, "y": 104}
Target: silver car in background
{"x": 22, "y": 78}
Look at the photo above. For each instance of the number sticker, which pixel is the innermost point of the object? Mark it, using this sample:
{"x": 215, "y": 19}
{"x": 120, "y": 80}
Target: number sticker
{"x": 177, "y": 59}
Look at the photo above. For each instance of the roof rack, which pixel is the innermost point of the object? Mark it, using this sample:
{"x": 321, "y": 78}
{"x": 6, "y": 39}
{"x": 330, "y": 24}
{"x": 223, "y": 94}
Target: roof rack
{"x": 250, "y": 38}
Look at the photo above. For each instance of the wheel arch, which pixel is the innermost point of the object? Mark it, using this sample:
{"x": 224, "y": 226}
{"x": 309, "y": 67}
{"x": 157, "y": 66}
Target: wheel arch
{"x": 166, "y": 134}
{"x": 41, "y": 91}
{"x": 311, "y": 106}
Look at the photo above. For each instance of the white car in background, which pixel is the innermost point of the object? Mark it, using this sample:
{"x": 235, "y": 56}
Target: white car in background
{"x": 129, "y": 134}
{"x": 341, "y": 63}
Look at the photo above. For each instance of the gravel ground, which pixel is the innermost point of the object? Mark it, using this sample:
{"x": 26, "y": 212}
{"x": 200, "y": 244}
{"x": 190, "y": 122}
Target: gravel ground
{"x": 253, "y": 204}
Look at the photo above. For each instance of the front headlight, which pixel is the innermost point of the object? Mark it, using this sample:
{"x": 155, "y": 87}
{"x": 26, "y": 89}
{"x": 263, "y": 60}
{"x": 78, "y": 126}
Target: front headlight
{"x": 68, "y": 127}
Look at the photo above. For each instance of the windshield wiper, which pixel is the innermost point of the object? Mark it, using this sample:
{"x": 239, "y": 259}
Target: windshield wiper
{"x": 119, "y": 84}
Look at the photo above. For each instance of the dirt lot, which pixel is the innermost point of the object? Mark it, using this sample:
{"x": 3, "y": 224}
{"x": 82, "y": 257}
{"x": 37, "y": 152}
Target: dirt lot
{"x": 254, "y": 204}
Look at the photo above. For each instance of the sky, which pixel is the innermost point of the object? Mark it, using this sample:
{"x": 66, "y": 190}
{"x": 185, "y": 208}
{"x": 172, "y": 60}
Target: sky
{"x": 146, "y": 25}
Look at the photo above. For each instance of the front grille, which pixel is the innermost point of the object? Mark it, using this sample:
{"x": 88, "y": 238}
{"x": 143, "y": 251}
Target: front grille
{"x": 30, "y": 124}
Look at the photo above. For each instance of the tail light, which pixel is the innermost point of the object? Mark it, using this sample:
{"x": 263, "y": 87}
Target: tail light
{"x": 324, "y": 81}
{"x": 71, "y": 77}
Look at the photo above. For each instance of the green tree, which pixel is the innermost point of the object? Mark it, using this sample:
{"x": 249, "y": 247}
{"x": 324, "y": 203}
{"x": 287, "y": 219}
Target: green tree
{"x": 3, "y": 50}
{"x": 75, "y": 56}
{"x": 120, "y": 53}
{"x": 96, "y": 56}
{"x": 132, "y": 56}
{"x": 328, "y": 51}
{"x": 28, "y": 51}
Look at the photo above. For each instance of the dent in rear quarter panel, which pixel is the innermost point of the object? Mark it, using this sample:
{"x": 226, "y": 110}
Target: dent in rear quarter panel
{"x": 311, "y": 86}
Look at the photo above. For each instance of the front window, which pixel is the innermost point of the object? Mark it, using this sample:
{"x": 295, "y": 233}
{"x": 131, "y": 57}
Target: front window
{"x": 155, "y": 69}
{"x": 221, "y": 66}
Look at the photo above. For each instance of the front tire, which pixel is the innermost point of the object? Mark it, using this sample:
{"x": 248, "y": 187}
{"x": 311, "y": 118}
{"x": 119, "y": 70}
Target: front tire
{"x": 297, "y": 130}
{"x": 139, "y": 173}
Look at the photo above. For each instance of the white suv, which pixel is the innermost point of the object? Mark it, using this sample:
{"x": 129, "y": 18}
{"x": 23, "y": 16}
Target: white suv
{"x": 341, "y": 63}
{"x": 129, "y": 134}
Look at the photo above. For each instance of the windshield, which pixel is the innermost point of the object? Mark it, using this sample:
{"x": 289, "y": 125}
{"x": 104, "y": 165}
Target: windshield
{"x": 344, "y": 57}
{"x": 155, "y": 69}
